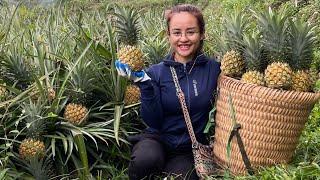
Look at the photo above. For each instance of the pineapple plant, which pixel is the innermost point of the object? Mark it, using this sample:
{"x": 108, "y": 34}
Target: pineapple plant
{"x": 80, "y": 86}
{"x": 253, "y": 58}
{"x": 302, "y": 39}
{"x": 232, "y": 63}
{"x": 274, "y": 26}
{"x": 128, "y": 29}
{"x": 33, "y": 146}
{"x": 132, "y": 95}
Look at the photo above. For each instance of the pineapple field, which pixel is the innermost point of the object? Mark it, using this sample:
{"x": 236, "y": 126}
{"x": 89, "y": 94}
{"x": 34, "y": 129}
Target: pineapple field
{"x": 65, "y": 113}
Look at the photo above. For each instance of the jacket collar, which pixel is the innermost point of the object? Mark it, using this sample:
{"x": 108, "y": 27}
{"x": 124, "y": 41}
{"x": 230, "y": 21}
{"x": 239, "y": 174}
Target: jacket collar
{"x": 199, "y": 59}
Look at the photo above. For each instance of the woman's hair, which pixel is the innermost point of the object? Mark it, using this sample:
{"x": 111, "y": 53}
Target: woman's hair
{"x": 186, "y": 8}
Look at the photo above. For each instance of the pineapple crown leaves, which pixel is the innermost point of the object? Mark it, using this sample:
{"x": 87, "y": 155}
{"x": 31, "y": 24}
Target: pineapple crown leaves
{"x": 39, "y": 168}
{"x": 235, "y": 25}
{"x": 34, "y": 116}
{"x": 127, "y": 25}
{"x": 82, "y": 79}
{"x": 274, "y": 28}
{"x": 252, "y": 51}
{"x": 16, "y": 69}
{"x": 302, "y": 40}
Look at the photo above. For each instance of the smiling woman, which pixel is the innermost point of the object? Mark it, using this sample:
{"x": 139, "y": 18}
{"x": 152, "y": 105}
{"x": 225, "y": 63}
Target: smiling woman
{"x": 166, "y": 146}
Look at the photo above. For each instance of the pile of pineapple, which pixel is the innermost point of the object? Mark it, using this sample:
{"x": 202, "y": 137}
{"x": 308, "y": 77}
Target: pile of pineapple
{"x": 278, "y": 54}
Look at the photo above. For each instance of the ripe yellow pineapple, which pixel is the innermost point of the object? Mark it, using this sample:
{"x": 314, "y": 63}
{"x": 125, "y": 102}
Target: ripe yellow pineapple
{"x": 253, "y": 77}
{"x": 302, "y": 81}
{"x": 253, "y": 58}
{"x": 232, "y": 64}
{"x": 76, "y": 114}
{"x": 278, "y": 75}
{"x": 273, "y": 26}
{"x": 132, "y": 56}
{"x": 302, "y": 39}
{"x": 30, "y": 148}
{"x": 128, "y": 29}
{"x": 132, "y": 95}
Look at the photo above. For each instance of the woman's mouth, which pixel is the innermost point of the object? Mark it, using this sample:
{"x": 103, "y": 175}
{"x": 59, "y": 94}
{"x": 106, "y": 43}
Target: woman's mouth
{"x": 184, "y": 47}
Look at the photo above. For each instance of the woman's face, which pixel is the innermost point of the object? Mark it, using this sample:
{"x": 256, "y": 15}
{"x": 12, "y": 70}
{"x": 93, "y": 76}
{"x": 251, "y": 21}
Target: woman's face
{"x": 184, "y": 36}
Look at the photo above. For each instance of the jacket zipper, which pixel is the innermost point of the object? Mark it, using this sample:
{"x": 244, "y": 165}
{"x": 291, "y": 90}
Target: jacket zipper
{"x": 188, "y": 87}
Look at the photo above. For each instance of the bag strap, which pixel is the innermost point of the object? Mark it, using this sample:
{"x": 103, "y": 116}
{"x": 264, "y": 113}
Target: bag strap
{"x": 235, "y": 132}
{"x": 182, "y": 101}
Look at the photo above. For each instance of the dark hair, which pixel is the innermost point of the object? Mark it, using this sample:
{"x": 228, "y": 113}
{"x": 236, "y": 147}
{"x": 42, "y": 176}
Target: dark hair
{"x": 196, "y": 12}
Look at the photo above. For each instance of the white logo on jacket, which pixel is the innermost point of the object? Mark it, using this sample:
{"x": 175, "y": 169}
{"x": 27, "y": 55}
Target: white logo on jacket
{"x": 195, "y": 87}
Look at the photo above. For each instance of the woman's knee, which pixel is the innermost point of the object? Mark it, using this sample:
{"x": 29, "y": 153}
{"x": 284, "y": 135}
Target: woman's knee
{"x": 147, "y": 158}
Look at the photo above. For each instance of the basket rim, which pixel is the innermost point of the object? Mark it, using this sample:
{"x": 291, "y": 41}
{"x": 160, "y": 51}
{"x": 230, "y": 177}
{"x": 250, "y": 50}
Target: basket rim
{"x": 265, "y": 91}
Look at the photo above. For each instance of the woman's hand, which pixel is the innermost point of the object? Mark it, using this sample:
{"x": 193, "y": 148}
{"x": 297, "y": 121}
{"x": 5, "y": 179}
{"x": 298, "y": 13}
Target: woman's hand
{"x": 125, "y": 71}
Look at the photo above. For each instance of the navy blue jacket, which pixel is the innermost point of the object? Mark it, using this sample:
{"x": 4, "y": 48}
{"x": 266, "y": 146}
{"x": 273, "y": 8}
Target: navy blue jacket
{"x": 160, "y": 107}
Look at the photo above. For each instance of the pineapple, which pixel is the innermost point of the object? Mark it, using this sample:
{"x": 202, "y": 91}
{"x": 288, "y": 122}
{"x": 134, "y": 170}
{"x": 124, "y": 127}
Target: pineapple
{"x": 128, "y": 29}
{"x": 278, "y": 75}
{"x": 132, "y": 56}
{"x": 75, "y": 113}
{"x": 232, "y": 63}
{"x": 274, "y": 26}
{"x": 132, "y": 95}
{"x": 30, "y": 148}
{"x": 33, "y": 146}
{"x": 302, "y": 40}
{"x": 80, "y": 87}
{"x": 253, "y": 59}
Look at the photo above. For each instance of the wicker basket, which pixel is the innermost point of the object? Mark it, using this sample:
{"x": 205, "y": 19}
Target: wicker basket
{"x": 271, "y": 123}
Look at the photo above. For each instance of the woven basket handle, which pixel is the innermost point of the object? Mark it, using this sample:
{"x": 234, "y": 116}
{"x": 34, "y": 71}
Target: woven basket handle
{"x": 182, "y": 101}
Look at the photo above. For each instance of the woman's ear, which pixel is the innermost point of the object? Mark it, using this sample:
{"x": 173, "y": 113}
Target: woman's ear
{"x": 202, "y": 37}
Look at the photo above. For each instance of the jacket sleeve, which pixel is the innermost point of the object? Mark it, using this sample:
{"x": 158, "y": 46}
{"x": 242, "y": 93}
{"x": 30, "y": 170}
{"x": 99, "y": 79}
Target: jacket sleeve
{"x": 151, "y": 107}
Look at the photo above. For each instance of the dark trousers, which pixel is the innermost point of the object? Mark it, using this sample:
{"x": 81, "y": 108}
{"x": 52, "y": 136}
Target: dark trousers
{"x": 149, "y": 159}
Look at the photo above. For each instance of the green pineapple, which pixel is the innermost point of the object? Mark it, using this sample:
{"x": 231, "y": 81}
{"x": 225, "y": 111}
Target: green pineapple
{"x": 128, "y": 29}
{"x": 80, "y": 88}
{"x": 302, "y": 39}
{"x": 232, "y": 63}
{"x": 274, "y": 26}
{"x": 253, "y": 58}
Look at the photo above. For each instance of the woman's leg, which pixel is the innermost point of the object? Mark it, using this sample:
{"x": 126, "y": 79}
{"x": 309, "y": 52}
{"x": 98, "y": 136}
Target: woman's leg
{"x": 181, "y": 166}
{"x": 147, "y": 158}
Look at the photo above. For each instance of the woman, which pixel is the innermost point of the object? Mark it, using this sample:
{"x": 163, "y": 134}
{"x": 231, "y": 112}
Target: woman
{"x": 165, "y": 146}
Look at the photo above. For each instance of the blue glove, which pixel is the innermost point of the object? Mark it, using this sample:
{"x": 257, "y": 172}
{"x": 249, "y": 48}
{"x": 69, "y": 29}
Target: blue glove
{"x": 125, "y": 71}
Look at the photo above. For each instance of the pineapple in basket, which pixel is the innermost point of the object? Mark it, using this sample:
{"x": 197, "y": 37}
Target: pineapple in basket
{"x": 274, "y": 26}
{"x": 80, "y": 86}
{"x": 132, "y": 95}
{"x": 33, "y": 146}
{"x": 302, "y": 40}
{"x": 254, "y": 60}
{"x": 128, "y": 29}
{"x": 232, "y": 63}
